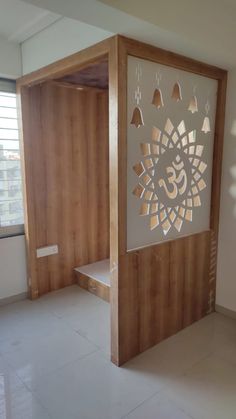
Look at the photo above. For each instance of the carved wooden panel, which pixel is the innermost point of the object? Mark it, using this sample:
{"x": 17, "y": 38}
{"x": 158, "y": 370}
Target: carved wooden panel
{"x": 170, "y": 150}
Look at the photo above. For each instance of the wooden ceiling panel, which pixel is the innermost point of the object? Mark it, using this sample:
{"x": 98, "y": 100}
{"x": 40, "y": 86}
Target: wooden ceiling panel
{"x": 96, "y": 75}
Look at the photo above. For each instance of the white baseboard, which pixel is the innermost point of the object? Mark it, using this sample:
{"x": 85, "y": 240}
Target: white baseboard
{"x": 225, "y": 311}
{"x": 13, "y": 299}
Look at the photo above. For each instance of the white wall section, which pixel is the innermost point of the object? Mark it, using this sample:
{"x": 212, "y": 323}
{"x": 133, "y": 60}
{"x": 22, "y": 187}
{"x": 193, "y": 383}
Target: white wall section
{"x": 13, "y": 280}
{"x": 59, "y": 40}
{"x": 12, "y": 267}
{"x": 10, "y": 59}
{"x": 226, "y": 278}
{"x": 211, "y": 42}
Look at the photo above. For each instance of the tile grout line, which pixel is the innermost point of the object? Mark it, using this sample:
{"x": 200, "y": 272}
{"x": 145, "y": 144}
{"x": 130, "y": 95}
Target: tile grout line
{"x": 140, "y": 404}
{"x": 57, "y": 369}
{"x": 166, "y": 386}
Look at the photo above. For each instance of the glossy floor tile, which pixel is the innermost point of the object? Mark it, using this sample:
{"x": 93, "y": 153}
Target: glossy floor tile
{"x": 54, "y": 363}
{"x": 82, "y": 312}
{"x": 207, "y": 390}
{"x": 158, "y": 407}
{"x": 16, "y": 401}
{"x": 36, "y": 357}
{"x": 92, "y": 388}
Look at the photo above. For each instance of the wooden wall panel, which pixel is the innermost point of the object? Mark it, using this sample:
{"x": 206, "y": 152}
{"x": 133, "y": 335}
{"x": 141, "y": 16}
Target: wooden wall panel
{"x": 128, "y": 306}
{"x": 67, "y": 143}
{"x": 98, "y": 181}
{"x": 163, "y": 289}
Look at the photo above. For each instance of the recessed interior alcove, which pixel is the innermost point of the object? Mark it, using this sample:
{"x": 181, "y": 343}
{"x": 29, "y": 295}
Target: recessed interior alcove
{"x": 92, "y": 84}
{"x": 69, "y": 128}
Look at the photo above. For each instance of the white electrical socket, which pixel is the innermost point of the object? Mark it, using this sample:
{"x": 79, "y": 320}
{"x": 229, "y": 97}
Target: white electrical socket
{"x": 47, "y": 251}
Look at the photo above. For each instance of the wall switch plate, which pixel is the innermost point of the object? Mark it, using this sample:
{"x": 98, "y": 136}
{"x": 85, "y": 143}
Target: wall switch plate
{"x": 47, "y": 251}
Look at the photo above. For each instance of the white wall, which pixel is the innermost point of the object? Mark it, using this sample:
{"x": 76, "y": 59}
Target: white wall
{"x": 211, "y": 44}
{"x": 226, "y": 275}
{"x": 59, "y": 40}
{"x": 10, "y": 63}
{"x": 12, "y": 250}
{"x": 12, "y": 267}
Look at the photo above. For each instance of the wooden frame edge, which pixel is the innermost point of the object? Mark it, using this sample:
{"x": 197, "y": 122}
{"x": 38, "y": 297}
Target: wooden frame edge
{"x": 149, "y": 52}
{"x": 72, "y": 63}
{"x": 114, "y": 196}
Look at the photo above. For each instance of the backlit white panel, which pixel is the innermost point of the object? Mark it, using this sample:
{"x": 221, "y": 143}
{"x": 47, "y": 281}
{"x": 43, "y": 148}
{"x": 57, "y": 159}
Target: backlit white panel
{"x": 170, "y": 137}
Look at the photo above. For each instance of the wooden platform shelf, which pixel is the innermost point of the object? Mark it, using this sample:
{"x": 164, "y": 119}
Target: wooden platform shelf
{"x": 95, "y": 278}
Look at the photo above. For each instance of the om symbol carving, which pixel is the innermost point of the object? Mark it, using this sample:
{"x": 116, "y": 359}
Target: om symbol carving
{"x": 176, "y": 179}
{"x": 171, "y": 178}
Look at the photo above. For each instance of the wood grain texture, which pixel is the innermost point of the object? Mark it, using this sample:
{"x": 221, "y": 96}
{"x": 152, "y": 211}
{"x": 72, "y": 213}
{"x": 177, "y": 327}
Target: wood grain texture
{"x": 95, "y": 76}
{"x": 114, "y": 196}
{"x": 95, "y": 287}
{"x": 165, "y": 57}
{"x": 69, "y": 85}
{"x": 163, "y": 289}
{"x": 67, "y": 176}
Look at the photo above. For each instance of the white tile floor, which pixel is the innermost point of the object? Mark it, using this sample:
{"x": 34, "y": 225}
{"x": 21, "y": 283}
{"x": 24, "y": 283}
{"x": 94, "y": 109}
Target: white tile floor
{"x": 54, "y": 363}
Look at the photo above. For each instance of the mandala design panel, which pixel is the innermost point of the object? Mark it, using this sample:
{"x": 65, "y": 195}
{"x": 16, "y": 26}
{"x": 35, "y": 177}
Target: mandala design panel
{"x": 170, "y": 177}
